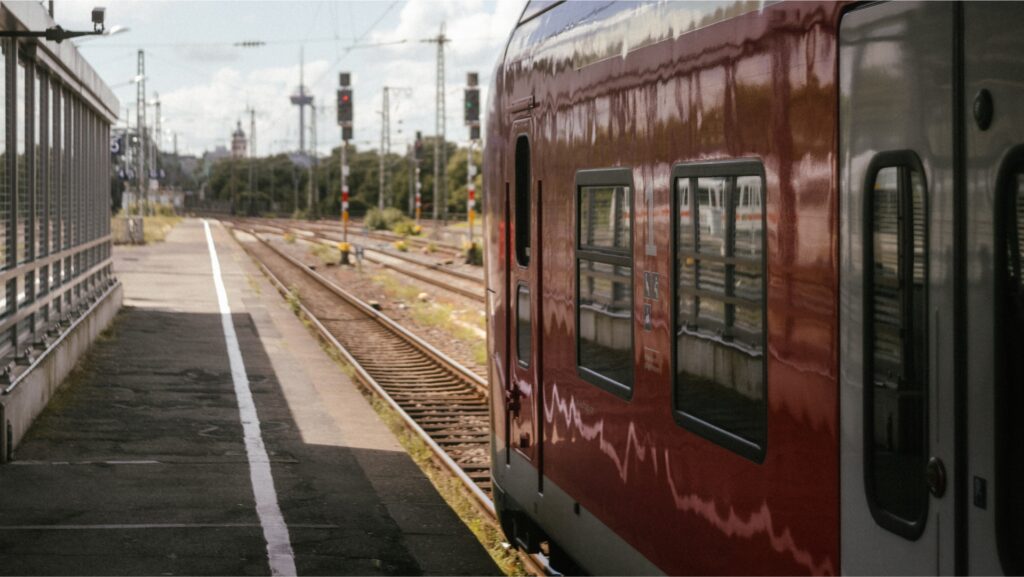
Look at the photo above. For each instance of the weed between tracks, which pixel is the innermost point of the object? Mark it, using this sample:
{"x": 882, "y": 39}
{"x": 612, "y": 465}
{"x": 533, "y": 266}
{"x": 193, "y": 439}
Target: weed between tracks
{"x": 458, "y": 323}
{"x": 326, "y": 254}
{"x": 293, "y": 299}
{"x": 254, "y": 285}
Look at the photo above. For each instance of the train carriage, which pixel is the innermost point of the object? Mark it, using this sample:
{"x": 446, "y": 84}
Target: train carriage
{"x": 754, "y": 289}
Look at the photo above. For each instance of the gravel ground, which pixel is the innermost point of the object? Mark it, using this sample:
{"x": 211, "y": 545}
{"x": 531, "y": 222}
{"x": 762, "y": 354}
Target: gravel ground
{"x": 452, "y": 323}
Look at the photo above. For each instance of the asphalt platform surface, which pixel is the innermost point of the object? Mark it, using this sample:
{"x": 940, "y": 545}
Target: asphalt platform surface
{"x": 140, "y": 465}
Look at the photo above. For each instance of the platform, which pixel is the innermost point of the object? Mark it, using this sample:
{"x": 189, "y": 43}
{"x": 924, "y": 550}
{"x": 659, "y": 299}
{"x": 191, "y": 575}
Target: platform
{"x": 141, "y": 463}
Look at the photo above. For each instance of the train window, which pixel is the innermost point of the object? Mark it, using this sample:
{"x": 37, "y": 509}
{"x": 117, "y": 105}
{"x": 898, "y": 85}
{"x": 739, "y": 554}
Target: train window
{"x": 604, "y": 217}
{"x": 896, "y": 341}
{"x": 523, "y": 325}
{"x": 604, "y": 279}
{"x": 720, "y": 373}
{"x": 1010, "y": 394}
{"x": 522, "y": 224}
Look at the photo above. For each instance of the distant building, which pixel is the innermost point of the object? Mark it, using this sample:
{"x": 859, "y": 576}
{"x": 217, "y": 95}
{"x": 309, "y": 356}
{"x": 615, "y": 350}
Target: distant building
{"x": 190, "y": 165}
{"x": 239, "y": 144}
{"x": 211, "y": 157}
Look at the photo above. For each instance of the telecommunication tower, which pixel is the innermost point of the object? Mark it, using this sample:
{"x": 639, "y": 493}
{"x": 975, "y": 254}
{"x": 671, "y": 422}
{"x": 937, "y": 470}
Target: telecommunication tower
{"x": 302, "y": 99}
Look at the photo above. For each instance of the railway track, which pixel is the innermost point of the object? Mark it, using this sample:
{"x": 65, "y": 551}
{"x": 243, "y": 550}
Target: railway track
{"x": 454, "y": 281}
{"x": 439, "y": 399}
{"x": 441, "y": 246}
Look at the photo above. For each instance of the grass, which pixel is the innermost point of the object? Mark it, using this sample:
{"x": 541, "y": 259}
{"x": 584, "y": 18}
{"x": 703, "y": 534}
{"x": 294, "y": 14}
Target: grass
{"x": 254, "y": 285}
{"x": 396, "y": 289}
{"x": 293, "y": 299}
{"x": 440, "y": 315}
{"x": 289, "y": 237}
{"x": 155, "y": 228}
{"x": 326, "y": 254}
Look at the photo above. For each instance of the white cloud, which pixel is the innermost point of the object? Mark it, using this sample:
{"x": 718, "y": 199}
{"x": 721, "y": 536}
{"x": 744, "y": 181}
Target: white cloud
{"x": 206, "y": 113}
{"x": 206, "y": 84}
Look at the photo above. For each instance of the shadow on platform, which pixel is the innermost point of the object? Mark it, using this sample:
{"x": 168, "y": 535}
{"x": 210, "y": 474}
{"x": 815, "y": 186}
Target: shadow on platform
{"x": 138, "y": 466}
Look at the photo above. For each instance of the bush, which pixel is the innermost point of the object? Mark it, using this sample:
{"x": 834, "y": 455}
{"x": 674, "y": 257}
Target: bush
{"x": 383, "y": 220}
{"x": 152, "y": 209}
{"x": 474, "y": 253}
{"x": 406, "y": 227}
{"x": 165, "y": 210}
{"x": 401, "y": 246}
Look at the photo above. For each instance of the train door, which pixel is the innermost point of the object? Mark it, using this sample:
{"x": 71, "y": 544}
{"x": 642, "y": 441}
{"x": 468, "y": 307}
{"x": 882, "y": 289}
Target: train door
{"x": 897, "y": 289}
{"x": 994, "y": 209}
{"x": 932, "y": 301}
{"x": 524, "y": 277}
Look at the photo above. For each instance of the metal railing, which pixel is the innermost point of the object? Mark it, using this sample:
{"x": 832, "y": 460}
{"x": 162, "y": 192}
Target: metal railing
{"x": 55, "y": 243}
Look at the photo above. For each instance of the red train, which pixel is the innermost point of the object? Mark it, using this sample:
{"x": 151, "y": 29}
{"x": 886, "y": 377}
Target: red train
{"x": 754, "y": 286}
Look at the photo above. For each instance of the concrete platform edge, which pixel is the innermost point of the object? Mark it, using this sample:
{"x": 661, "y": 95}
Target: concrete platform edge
{"x": 20, "y": 407}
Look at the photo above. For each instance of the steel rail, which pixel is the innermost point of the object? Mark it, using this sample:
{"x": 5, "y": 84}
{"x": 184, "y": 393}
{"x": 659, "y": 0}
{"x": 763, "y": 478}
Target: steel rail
{"x": 535, "y": 565}
{"x": 459, "y": 290}
{"x": 432, "y": 266}
{"x": 477, "y": 296}
{"x": 366, "y": 378}
{"x": 440, "y": 245}
{"x": 402, "y": 332}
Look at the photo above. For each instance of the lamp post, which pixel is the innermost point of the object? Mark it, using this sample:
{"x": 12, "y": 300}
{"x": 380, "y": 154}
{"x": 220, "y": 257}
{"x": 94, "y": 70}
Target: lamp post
{"x": 112, "y": 31}
{"x": 58, "y": 34}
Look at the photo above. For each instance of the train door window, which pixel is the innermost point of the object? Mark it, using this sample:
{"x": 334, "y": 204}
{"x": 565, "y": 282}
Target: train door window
{"x": 720, "y": 377}
{"x": 1010, "y": 392}
{"x": 604, "y": 279}
{"x": 896, "y": 341}
{"x": 523, "y": 326}
{"x": 522, "y": 223}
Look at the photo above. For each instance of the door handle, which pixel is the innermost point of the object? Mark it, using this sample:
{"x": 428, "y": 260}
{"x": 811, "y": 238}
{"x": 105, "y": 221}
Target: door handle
{"x": 935, "y": 474}
{"x": 512, "y": 399}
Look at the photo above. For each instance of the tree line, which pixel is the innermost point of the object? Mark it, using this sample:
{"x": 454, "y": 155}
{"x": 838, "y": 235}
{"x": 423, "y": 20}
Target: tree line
{"x": 281, "y": 185}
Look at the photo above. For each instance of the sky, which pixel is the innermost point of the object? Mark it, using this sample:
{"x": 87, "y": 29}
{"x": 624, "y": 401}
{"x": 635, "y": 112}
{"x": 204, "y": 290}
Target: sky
{"x": 205, "y": 83}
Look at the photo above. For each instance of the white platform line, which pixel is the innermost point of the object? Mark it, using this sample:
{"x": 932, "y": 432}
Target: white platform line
{"x": 69, "y": 463}
{"x": 275, "y": 531}
{"x": 137, "y": 526}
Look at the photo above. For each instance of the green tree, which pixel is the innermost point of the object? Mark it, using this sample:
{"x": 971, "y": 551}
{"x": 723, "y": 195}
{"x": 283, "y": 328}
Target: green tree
{"x": 456, "y": 173}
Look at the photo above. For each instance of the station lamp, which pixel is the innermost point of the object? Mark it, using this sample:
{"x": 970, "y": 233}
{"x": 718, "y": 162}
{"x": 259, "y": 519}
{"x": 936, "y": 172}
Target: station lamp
{"x": 58, "y": 34}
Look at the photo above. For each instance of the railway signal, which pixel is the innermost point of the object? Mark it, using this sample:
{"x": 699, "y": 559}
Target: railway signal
{"x": 472, "y": 105}
{"x": 417, "y": 148}
{"x": 473, "y": 122}
{"x": 345, "y": 112}
{"x": 345, "y": 121}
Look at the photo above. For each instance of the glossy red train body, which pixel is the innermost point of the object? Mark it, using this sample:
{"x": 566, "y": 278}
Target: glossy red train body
{"x": 615, "y": 478}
